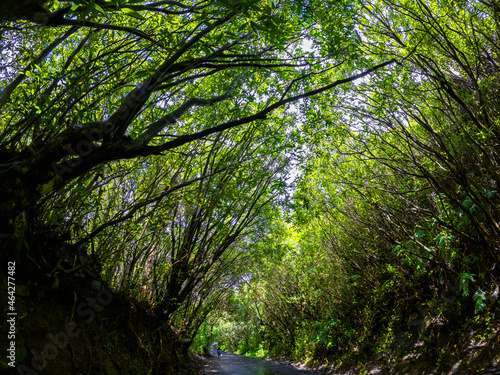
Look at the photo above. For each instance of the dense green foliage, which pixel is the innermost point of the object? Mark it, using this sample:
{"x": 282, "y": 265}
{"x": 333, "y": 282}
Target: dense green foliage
{"x": 157, "y": 140}
{"x": 394, "y": 242}
{"x": 151, "y": 138}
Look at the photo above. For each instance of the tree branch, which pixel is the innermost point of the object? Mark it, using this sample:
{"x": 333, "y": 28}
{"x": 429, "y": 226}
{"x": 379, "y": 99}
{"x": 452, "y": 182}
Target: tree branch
{"x": 261, "y": 115}
{"x": 135, "y": 99}
{"x": 101, "y": 26}
{"x": 136, "y": 207}
{"x": 173, "y": 116}
{"x": 5, "y": 95}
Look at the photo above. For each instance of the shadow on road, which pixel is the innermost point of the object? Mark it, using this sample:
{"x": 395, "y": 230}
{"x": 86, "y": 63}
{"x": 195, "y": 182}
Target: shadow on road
{"x": 233, "y": 364}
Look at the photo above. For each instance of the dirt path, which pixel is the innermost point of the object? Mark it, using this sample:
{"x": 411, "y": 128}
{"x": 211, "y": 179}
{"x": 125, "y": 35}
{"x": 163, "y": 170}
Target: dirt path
{"x": 232, "y": 364}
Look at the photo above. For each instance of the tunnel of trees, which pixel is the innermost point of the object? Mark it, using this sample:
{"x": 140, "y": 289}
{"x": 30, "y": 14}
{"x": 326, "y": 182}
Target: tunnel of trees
{"x": 314, "y": 178}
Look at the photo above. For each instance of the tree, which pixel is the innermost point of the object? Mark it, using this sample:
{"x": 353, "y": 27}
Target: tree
{"x": 121, "y": 81}
{"x": 149, "y": 137}
{"x": 405, "y": 183}
{"x": 397, "y": 203}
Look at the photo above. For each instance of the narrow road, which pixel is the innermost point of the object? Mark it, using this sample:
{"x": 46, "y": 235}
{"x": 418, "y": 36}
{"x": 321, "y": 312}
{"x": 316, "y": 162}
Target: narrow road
{"x": 232, "y": 364}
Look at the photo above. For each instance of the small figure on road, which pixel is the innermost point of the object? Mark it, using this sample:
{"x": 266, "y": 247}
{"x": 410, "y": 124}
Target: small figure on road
{"x": 218, "y": 352}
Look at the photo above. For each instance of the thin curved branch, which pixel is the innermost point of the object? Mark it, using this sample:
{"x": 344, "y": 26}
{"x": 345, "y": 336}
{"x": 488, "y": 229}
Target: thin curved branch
{"x": 137, "y": 97}
{"x": 102, "y": 26}
{"x": 136, "y": 207}
{"x": 5, "y": 95}
{"x": 261, "y": 115}
{"x": 173, "y": 116}
{"x": 154, "y": 8}
{"x": 187, "y": 79}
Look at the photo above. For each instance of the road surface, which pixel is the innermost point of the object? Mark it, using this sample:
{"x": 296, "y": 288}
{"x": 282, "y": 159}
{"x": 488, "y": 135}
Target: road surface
{"x": 232, "y": 364}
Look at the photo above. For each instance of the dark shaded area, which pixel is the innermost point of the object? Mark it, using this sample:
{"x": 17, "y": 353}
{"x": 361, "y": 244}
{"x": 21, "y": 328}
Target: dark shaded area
{"x": 233, "y": 364}
{"x": 75, "y": 324}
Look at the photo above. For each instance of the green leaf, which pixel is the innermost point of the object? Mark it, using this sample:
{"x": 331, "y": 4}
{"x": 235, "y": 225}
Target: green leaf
{"x": 99, "y": 9}
{"x": 133, "y": 13}
{"x": 479, "y": 298}
{"x": 464, "y": 281}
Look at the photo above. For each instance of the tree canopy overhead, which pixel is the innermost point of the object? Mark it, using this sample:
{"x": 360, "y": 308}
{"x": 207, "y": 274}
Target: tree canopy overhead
{"x": 93, "y": 82}
{"x": 165, "y": 127}
{"x": 394, "y": 245}
{"x": 157, "y": 139}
